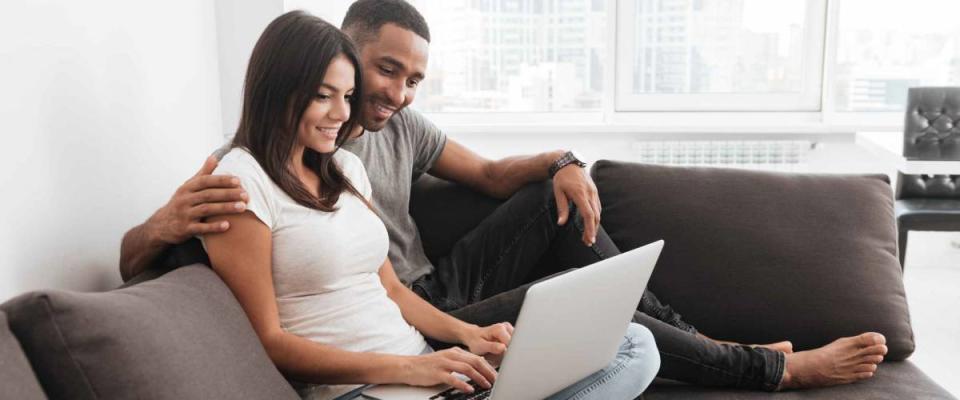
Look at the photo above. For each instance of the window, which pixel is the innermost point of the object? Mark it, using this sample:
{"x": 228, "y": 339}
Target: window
{"x": 514, "y": 55}
{"x": 840, "y": 62}
{"x": 881, "y": 51}
{"x": 730, "y": 55}
{"x": 507, "y": 55}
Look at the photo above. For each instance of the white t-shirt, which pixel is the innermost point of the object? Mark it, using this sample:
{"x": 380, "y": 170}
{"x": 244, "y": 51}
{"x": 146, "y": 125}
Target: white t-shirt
{"x": 325, "y": 266}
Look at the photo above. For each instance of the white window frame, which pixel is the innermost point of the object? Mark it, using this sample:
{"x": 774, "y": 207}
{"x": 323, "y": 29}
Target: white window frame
{"x": 808, "y": 99}
{"x": 856, "y": 120}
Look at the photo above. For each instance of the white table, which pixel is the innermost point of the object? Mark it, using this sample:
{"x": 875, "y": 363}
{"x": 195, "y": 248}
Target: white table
{"x": 889, "y": 147}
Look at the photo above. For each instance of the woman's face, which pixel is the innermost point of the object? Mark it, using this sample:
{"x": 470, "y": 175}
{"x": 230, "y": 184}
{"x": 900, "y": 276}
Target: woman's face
{"x": 322, "y": 119}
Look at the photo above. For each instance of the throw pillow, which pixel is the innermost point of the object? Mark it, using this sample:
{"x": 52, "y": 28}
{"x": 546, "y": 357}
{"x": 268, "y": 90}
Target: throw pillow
{"x": 759, "y": 257}
{"x": 180, "y": 336}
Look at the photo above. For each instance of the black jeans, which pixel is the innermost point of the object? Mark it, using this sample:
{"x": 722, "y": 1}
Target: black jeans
{"x": 485, "y": 277}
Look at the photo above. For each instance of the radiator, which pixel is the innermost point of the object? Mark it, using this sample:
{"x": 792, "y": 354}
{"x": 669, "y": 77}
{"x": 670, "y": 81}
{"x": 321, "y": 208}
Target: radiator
{"x": 770, "y": 155}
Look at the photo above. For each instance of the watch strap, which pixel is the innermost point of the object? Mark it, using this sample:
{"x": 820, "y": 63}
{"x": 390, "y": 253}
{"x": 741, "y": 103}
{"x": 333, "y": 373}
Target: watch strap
{"x": 565, "y": 160}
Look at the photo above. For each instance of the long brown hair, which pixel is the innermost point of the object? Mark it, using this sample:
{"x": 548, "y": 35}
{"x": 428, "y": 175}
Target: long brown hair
{"x": 286, "y": 69}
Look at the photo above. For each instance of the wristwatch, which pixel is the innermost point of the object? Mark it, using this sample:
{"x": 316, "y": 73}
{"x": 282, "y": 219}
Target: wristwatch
{"x": 570, "y": 157}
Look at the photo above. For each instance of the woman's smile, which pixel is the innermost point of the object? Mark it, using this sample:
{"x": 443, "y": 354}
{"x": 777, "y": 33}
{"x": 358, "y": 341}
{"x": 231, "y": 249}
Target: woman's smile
{"x": 329, "y": 133}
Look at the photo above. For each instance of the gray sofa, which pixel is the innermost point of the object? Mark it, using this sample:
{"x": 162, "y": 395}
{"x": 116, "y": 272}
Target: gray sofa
{"x": 750, "y": 256}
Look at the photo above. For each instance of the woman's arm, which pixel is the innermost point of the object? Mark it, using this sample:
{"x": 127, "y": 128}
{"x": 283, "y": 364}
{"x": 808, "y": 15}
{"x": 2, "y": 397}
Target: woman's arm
{"x": 430, "y": 321}
{"x": 241, "y": 257}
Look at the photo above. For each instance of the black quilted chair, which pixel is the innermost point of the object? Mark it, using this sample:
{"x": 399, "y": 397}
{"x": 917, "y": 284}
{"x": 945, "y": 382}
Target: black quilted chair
{"x": 931, "y": 133}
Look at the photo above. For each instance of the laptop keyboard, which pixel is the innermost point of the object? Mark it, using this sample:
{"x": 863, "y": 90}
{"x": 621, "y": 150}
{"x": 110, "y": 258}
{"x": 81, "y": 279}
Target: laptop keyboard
{"x": 452, "y": 394}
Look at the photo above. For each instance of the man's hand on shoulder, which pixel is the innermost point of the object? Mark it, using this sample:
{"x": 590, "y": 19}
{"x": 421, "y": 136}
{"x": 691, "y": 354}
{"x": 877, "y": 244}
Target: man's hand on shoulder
{"x": 202, "y": 196}
{"x": 572, "y": 183}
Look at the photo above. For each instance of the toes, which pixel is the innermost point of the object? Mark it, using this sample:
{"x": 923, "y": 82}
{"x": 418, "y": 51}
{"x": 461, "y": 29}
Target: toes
{"x": 863, "y": 375}
{"x": 868, "y": 339}
{"x": 872, "y": 359}
{"x": 879, "y": 349}
{"x": 865, "y": 368}
{"x": 871, "y": 338}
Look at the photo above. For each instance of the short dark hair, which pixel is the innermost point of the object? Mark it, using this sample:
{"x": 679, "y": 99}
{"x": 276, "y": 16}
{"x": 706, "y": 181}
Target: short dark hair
{"x": 365, "y": 18}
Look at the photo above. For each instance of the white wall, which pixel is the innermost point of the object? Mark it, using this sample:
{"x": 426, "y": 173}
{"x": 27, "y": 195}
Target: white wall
{"x": 105, "y": 108}
{"x": 239, "y": 25}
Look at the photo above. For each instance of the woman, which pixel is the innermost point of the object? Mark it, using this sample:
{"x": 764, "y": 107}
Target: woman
{"x": 308, "y": 259}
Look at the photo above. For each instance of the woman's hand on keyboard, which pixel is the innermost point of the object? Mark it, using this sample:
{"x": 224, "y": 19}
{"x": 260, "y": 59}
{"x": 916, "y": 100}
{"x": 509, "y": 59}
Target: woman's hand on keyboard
{"x": 438, "y": 368}
{"x": 490, "y": 341}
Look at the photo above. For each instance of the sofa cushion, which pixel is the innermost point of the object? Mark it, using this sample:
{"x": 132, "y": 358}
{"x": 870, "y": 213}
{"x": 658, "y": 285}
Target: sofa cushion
{"x": 758, "y": 257}
{"x": 16, "y": 376}
{"x": 180, "y": 336}
{"x": 893, "y": 381}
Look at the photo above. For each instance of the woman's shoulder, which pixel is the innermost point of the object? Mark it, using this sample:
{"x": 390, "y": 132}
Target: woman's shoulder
{"x": 346, "y": 157}
{"x": 349, "y": 162}
{"x": 240, "y": 163}
{"x": 237, "y": 155}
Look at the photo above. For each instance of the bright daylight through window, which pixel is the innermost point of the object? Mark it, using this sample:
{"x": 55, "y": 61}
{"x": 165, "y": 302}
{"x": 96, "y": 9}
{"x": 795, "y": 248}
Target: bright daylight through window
{"x": 882, "y": 51}
{"x": 719, "y": 46}
{"x": 507, "y": 55}
{"x": 556, "y": 56}
{"x": 520, "y": 55}
{"x": 719, "y": 55}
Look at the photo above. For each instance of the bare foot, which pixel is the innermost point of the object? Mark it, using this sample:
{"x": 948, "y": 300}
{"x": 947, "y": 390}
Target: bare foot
{"x": 785, "y": 346}
{"x": 846, "y": 360}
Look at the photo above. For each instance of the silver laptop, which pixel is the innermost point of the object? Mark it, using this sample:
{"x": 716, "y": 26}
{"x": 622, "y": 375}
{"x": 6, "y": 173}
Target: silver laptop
{"x": 569, "y": 327}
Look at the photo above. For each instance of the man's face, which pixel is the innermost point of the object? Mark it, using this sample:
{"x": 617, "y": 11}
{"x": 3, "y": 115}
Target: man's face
{"x": 394, "y": 63}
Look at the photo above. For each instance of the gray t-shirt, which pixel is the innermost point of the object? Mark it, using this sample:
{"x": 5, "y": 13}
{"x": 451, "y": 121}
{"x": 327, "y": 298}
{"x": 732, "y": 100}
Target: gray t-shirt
{"x": 395, "y": 157}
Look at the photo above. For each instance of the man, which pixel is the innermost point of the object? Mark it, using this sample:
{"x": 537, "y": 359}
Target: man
{"x": 485, "y": 276}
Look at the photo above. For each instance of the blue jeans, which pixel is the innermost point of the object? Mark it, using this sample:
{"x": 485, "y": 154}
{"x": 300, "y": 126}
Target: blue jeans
{"x": 631, "y": 371}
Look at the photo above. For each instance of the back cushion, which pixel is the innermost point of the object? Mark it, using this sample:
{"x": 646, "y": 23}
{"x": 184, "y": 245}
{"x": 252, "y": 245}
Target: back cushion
{"x": 441, "y": 225}
{"x": 181, "y": 336}
{"x": 16, "y": 376}
{"x": 759, "y": 257}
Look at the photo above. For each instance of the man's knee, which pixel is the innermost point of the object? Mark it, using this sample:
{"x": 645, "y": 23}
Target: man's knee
{"x": 537, "y": 192}
{"x": 548, "y": 277}
{"x": 540, "y": 195}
